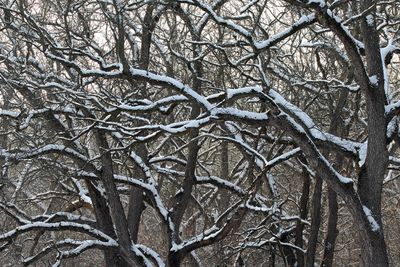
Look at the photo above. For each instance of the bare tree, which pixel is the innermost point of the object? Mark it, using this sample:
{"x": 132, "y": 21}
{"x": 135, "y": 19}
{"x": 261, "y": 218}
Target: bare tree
{"x": 163, "y": 132}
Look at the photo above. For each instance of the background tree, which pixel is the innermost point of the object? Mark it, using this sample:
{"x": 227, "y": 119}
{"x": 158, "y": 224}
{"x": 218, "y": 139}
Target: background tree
{"x": 170, "y": 133}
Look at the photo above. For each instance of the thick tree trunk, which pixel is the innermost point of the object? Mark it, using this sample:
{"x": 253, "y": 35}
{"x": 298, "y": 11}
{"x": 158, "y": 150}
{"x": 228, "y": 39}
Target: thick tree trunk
{"x": 136, "y": 207}
{"x": 303, "y": 215}
{"x": 373, "y": 251}
{"x": 183, "y": 198}
{"x": 372, "y": 242}
{"x": 136, "y": 198}
{"x": 373, "y": 248}
{"x": 332, "y": 231}
{"x": 114, "y": 203}
{"x": 174, "y": 260}
{"x": 105, "y": 224}
{"x": 315, "y": 223}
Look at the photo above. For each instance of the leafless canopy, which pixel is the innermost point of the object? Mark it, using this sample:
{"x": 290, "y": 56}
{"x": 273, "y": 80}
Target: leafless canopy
{"x": 199, "y": 133}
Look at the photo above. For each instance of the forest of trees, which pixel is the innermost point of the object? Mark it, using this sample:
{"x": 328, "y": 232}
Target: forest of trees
{"x": 200, "y": 133}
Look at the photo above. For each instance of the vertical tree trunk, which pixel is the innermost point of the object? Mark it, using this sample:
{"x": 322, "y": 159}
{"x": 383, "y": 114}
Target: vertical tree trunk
{"x": 373, "y": 246}
{"x": 332, "y": 231}
{"x": 337, "y": 127}
{"x": 303, "y": 215}
{"x": 183, "y": 198}
{"x": 315, "y": 223}
{"x": 105, "y": 224}
{"x": 135, "y": 209}
{"x": 373, "y": 251}
{"x": 136, "y": 198}
{"x": 114, "y": 203}
{"x": 223, "y": 197}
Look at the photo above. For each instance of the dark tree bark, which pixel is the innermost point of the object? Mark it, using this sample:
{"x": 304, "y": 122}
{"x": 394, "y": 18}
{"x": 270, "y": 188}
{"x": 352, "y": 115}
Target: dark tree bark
{"x": 332, "y": 231}
{"x": 315, "y": 223}
{"x": 103, "y": 218}
{"x": 337, "y": 127}
{"x": 374, "y": 252}
{"x": 136, "y": 195}
{"x": 365, "y": 205}
{"x": 182, "y": 199}
{"x": 118, "y": 83}
{"x": 305, "y": 193}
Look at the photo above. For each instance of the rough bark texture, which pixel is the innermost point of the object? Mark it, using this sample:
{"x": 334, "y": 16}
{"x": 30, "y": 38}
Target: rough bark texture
{"x": 337, "y": 127}
{"x": 332, "y": 231}
{"x": 374, "y": 251}
{"x": 305, "y": 193}
{"x": 112, "y": 258}
{"x": 315, "y": 223}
